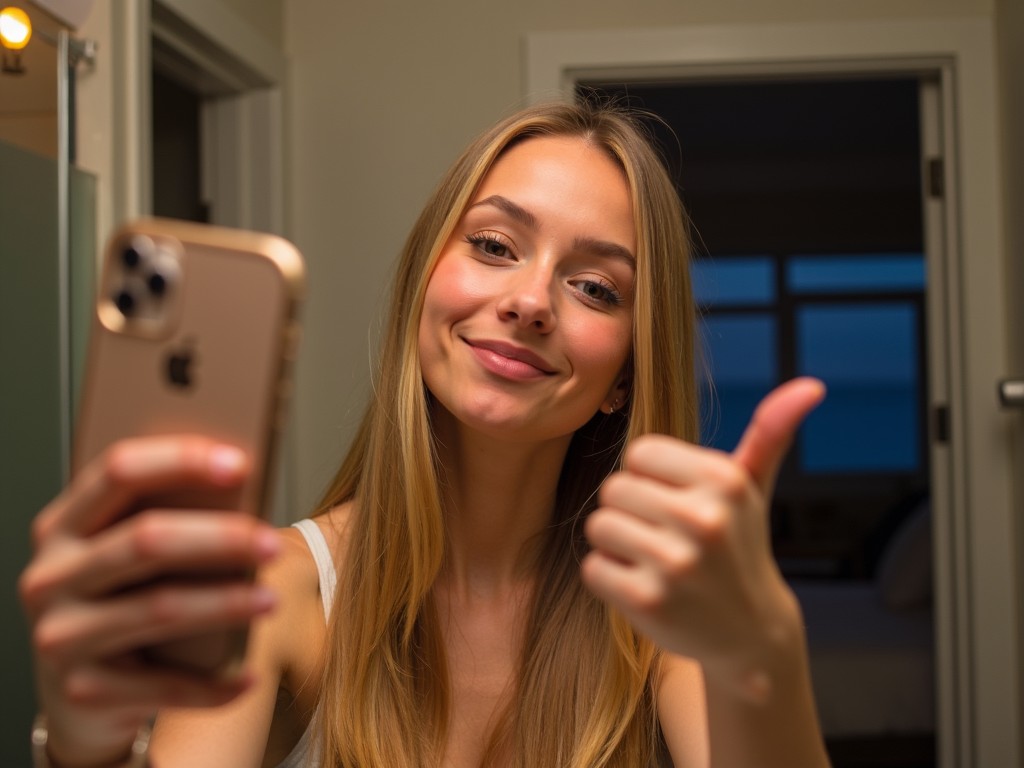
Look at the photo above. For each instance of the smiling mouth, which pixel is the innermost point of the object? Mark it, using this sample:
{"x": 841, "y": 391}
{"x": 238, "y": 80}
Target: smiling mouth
{"x": 510, "y": 360}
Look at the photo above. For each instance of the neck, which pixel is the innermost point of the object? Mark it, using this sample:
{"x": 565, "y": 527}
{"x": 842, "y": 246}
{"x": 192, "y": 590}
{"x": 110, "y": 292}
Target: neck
{"x": 499, "y": 498}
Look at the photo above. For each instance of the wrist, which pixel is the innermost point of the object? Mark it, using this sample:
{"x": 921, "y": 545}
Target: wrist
{"x": 135, "y": 756}
{"x": 773, "y": 654}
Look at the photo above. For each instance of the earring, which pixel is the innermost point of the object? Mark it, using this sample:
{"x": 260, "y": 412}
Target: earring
{"x": 613, "y": 406}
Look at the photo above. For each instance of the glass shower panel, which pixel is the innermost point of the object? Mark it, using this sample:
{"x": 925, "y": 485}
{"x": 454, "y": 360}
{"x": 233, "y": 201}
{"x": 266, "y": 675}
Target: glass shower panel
{"x": 47, "y": 264}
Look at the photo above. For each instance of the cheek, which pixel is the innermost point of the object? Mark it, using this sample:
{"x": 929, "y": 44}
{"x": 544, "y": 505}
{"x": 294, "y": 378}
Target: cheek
{"x": 453, "y": 289}
{"x": 450, "y": 296}
{"x": 602, "y": 349}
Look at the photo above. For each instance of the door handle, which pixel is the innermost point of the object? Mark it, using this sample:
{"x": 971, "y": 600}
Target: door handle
{"x": 1011, "y": 393}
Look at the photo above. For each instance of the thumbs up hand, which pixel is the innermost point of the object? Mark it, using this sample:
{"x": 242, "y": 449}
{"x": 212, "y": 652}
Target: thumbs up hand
{"x": 681, "y": 544}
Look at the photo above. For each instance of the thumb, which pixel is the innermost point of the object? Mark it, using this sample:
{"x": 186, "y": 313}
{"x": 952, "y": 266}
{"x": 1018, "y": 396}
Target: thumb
{"x": 773, "y": 426}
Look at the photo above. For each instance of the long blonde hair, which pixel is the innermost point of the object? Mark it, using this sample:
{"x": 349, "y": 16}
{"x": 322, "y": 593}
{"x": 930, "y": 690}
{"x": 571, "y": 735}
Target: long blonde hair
{"x": 584, "y": 695}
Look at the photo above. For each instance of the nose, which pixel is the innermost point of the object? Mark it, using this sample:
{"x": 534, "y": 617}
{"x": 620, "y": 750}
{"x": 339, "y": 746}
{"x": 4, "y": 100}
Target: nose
{"x": 528, "y": 300}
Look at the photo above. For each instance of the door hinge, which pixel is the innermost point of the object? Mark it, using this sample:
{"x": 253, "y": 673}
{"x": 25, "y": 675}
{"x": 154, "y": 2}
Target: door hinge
{"x": 940, "y": 423}
{"x": 936, "y": 173}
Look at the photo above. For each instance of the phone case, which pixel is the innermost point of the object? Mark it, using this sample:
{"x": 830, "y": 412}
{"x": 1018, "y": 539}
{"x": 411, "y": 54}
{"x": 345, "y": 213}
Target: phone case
{"x": 195, "y": 331}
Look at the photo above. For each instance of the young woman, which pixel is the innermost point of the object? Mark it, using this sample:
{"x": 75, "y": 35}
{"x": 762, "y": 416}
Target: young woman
{"x": 536, "y": 565}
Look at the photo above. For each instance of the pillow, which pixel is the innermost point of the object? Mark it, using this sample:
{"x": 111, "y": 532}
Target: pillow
{"x": 904, "y": 577}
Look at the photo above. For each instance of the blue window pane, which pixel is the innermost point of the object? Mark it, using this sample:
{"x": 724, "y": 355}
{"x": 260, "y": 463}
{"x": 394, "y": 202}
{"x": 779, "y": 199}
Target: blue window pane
{"x": 845, "y": 274}
{"x": 741, "y": 358}
{"x": 735, "y": 280}
{"x": 868, "y": 358}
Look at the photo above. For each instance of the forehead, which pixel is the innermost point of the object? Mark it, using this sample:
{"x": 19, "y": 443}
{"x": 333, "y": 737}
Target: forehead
{"x": 563, "y": 175}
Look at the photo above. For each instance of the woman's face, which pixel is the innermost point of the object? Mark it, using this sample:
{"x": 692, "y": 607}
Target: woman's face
{"x": 527, "y": 318}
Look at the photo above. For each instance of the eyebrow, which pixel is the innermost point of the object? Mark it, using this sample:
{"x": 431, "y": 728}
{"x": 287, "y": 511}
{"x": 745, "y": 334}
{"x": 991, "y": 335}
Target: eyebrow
{"x": 602, "y": 248}
{"x": 514, "y": 210}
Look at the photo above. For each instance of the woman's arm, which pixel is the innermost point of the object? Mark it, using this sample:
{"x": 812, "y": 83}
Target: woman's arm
{"x": 682, "y": 548}
{"x": 283, "y": 652}
{"x": 701, "y": 716}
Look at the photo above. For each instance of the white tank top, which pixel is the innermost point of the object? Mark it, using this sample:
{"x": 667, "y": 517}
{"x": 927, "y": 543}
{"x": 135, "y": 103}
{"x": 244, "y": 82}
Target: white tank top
{"x": 302, "y": 754}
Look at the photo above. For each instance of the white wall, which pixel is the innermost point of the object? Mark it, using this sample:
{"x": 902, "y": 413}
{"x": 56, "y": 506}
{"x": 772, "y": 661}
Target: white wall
{"x": 382, "y": 98}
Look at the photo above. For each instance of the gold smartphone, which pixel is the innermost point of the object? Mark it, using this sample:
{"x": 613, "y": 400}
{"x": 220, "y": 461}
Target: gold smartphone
{"x": 195, "y": 331}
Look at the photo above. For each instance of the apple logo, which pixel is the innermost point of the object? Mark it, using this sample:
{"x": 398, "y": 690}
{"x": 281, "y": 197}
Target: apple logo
{"x": 179, "y": 366}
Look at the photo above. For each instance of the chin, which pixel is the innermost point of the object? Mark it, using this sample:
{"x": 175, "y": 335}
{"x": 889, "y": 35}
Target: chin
{"x": 512, "y": 425}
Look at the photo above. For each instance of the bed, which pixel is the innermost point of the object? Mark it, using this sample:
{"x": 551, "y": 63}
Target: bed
{"x": 871, "y": 647}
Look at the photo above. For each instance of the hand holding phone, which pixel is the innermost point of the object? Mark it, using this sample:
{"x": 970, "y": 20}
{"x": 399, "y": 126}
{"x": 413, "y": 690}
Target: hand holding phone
{"x": 194, "y": 333}
{"x": 140, "y": 590}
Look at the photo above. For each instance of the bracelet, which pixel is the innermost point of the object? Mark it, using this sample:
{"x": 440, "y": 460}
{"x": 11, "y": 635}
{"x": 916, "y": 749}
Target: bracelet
{"x": 40, "y": 735}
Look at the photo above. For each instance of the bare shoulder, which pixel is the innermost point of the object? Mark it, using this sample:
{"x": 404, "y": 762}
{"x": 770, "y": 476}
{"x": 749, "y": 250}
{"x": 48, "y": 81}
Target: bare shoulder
{"x": 294, "y": 577}
{"x": 294, "y": 571}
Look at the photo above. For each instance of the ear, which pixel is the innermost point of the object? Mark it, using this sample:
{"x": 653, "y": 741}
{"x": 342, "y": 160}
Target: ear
{"x": 617, "y": 396}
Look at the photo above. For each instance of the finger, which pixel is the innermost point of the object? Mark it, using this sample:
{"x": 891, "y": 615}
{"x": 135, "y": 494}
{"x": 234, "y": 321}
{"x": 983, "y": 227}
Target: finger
{"x": 148, "y": 545}
{"x": 693, "y": 509}
{"x": 139, "y": 690}
{"x": 132, "y": 470}
{"x": 677, "y": 463}
{"x": 631, "y": 540}
{"x": 81, "y": 631}
{"x": 625, "y": 586}
{"x": 773, "y": 426}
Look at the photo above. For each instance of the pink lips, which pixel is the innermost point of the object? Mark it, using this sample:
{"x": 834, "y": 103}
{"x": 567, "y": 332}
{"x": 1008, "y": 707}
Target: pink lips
{"x": 508, "y": 360}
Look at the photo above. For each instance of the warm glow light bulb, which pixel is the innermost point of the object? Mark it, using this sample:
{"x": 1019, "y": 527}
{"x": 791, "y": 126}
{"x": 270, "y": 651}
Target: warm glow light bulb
{"x": 15, "y": 28}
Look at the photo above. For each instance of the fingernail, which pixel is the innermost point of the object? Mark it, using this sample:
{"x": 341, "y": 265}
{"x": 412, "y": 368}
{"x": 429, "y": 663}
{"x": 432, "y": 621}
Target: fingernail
{"x": 226, "y": 463}
{"x": 263, "y": 599}
{"x": 268, "y": 543}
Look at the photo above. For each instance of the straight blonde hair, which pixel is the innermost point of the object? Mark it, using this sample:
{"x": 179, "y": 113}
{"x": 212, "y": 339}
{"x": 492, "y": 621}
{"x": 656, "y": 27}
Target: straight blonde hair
{"x": 584, "y": 695}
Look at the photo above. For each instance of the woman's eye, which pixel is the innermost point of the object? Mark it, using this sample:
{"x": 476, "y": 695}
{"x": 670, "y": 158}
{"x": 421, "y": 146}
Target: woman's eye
{"x": 490, "y": 246}
{"x": 599, "y": 292}
{"x": 494, "y": 248}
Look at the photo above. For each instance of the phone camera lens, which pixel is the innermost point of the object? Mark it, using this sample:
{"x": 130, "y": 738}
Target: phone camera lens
{"x": 157, "y": 284}
{"x": 131, "y": 257}
{"x": 125, "y": 302}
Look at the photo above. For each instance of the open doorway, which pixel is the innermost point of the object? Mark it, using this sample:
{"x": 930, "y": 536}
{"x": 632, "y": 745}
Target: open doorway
{"x": 806, "y": 200}
{"x": 177, "y": 150}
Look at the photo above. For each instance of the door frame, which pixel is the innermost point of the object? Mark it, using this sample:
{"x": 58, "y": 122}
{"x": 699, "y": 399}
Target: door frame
{"x": 241, "y": 77}
{"x": 978, "y": 602}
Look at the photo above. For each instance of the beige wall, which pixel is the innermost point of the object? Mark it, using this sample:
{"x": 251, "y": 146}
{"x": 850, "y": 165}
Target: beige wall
{"x": 265, "y": 16}
{"x": 382, "y": 98}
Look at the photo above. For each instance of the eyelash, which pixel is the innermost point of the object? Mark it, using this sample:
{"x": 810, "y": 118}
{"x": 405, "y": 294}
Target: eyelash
{"x": 481, "y": 241}
{"x": 610, "y": 296}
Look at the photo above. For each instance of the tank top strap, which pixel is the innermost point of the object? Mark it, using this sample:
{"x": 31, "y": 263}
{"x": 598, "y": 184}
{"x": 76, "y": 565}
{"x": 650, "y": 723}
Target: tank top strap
{"x": 322, "y": 557}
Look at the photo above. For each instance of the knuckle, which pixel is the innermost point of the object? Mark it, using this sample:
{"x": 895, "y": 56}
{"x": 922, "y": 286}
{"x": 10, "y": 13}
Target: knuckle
{"x": 679, "y": 562}
{"x": 732, "y": 480}
{"x": 595, "y": 525}
{"x": 714, "y": 523}
{"x": 147, "y": 535}
{"x": 32, "y": 586}
{"x": 40, "y": 529}
{"x": 165, "y": 606}
{"x": 49, "y": 641}
{"x": 638, "y": 450}
{"x": 79, "y": 689}
{"x": 648, "y": 598}
{"x": 612, "y": 487}
{"x": 116, "y": 463}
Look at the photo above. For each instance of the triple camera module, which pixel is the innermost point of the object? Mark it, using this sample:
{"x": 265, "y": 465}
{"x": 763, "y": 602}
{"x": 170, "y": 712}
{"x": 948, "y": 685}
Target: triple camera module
{"x": 148, "y": 271}
{"x": 141, "y": 286}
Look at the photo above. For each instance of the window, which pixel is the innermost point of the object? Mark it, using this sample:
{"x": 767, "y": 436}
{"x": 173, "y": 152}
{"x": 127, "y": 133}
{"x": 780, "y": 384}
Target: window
{"x": 852, "y": 320}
